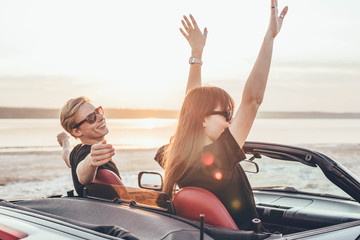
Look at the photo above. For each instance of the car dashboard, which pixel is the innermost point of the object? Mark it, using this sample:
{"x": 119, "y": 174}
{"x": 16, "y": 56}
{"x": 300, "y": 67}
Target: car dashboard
{"x": 287, "y": 213}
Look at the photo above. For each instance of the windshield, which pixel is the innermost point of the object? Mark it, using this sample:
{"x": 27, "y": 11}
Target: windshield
{"x": 279, "y": 173}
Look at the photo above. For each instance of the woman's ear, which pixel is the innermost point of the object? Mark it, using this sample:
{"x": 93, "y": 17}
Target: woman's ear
{"x": 205, "y": 121}
{"x": 76, "y": 132}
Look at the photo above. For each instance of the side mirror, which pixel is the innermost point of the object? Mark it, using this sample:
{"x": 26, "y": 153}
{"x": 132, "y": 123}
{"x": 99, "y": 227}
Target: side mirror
{"x": 150, "y": 180}
{"x": 249, "y": 166}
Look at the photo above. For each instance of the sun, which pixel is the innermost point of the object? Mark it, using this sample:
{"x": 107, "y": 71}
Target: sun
{"x": 151, "y": 123}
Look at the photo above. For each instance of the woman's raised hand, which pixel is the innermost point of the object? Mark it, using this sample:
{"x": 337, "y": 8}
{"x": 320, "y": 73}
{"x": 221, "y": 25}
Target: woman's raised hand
{"x": 194, "y": 36}
{"x": 276, "y": 20}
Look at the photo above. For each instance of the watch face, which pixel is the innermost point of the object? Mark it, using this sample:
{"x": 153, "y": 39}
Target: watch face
{"x": 194, "y": 60}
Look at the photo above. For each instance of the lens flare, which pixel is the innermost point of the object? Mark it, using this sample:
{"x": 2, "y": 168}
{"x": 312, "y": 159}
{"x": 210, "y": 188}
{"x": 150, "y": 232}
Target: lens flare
{"x": 218, "y": 175}
{"x": 236, "y": 204}
{"x": 207, "y": 158}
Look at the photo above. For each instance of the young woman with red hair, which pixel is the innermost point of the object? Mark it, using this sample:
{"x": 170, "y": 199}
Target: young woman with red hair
{"x": 206, "y": 148}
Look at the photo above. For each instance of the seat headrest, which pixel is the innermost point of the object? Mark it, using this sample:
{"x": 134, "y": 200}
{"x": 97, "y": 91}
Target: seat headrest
{"x": 190, "y": 202}
{"x": 105, "y": 176}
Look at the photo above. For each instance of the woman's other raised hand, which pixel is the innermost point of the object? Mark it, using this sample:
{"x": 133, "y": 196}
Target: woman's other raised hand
{"x": 276, "y": 20}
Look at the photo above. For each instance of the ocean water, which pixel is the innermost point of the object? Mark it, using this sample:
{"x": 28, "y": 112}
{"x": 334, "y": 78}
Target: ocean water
{"x": 40, "y": 134}
{"x": 31, "y": 164}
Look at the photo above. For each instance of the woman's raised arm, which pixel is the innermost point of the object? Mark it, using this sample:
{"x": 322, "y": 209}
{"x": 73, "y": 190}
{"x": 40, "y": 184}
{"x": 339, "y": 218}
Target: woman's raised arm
{"x": 254, "y": 89}
{"x": 197, "y": 41}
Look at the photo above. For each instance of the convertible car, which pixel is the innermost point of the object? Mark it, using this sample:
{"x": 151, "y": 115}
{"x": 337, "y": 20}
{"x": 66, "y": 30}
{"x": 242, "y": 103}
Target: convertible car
{"x": 299, "y": 194}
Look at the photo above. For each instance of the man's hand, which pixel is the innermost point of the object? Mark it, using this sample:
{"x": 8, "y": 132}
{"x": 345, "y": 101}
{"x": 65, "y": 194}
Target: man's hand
{"x": 62, "y": 138}
{"x": 101, "y": 153}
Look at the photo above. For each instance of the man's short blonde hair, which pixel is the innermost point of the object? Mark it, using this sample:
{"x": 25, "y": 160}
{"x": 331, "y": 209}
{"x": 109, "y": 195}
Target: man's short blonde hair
{"x": 70, "y": 111}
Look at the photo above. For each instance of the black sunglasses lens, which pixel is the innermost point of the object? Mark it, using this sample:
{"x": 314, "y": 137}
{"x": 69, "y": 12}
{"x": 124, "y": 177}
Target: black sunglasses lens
{"x": 91, "y": 118}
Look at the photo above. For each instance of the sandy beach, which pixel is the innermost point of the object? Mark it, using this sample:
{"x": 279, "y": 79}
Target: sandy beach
{"x": 42, "y": 173}
{"x": 42, "y": 165}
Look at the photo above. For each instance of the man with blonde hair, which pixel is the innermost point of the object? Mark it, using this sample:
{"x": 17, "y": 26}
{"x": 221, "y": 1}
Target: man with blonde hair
{"x": 85, "y": 122}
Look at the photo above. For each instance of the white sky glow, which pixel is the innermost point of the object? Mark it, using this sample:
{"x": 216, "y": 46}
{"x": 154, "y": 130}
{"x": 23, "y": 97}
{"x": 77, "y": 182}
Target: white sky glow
{"x": 130, "y": 54}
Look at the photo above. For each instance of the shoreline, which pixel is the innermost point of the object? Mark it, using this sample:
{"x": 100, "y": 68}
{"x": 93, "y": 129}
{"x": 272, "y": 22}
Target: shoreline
{"x": 55, "y": 149}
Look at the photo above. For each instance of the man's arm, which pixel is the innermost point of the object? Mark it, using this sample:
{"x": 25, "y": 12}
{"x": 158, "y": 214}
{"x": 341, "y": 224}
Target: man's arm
{"x": 63, "y": 140}
{"x": 100, "y": 154}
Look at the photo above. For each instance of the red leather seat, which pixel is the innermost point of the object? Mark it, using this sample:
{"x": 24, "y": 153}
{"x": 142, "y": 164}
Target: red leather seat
{"x": 105, "y": 176}
{"x": 190, "y": 202}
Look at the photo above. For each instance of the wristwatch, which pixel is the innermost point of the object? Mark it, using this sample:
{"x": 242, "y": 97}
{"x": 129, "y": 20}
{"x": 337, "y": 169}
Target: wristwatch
{"x": 193, "y": 60}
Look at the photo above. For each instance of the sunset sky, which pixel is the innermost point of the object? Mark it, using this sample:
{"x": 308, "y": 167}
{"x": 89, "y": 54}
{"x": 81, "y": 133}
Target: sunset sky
{"x": 131, "y": 54}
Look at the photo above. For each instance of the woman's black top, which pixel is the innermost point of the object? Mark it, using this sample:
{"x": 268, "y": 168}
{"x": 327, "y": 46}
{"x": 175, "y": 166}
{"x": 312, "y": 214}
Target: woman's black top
{"x": 77, "y": 155}
{"x": 218, "y": 170}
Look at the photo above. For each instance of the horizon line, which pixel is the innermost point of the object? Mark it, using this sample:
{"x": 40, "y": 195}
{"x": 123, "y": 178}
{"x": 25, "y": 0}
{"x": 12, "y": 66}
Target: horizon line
{"x": 174, "y": 110}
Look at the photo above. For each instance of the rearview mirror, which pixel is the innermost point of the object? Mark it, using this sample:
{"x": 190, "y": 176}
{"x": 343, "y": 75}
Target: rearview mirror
{"x": 249, "y": 166}
{"x": 150, "y": 180}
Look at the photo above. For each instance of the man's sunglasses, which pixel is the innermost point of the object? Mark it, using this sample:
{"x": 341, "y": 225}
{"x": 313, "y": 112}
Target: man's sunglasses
{"x": 91, "y": 118}
{"x": 227, "y": 114}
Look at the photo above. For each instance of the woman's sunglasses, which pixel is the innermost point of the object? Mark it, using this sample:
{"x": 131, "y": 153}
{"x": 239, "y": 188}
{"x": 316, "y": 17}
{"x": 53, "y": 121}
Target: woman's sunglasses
{"x": 91, "y": 118}
{"x": 227, "y": 114}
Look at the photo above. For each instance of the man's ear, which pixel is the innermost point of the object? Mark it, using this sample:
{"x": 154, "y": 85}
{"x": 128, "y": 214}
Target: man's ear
{"x": 76, "y": 132}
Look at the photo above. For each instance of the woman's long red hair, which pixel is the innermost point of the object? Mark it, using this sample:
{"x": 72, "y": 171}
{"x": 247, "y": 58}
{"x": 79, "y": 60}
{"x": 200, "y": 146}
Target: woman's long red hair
{"x": 189, "y": 137}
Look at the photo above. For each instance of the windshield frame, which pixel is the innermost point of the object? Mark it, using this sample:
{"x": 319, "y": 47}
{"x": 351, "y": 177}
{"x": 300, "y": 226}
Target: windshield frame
{"x": 335, "y": 172}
